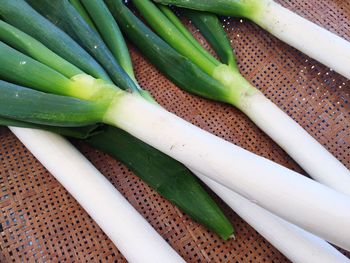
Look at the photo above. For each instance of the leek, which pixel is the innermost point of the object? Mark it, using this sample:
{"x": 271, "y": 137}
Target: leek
{"x": 182, "y": 188}
{"x": 117, "y": 218}
{"x": 293, "y": 197}
{"x": 301, "y": 146}
{"x": 274, "y": 229}
{"x": 295, "y": 243}
{"x": 311, "y": 39}
{"x": 313, "y": 241}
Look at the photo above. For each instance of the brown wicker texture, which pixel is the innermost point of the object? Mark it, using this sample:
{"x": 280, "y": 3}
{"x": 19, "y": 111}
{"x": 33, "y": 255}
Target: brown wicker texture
{"x": 41, "y": 222}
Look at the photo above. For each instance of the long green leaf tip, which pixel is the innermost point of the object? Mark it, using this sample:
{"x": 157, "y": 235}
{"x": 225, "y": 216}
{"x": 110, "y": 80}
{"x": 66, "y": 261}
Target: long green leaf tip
{"x": 167, "y": 176}
{"x": 212, "y": 29}
{"x": 175, "y": 66}
{"x": 22, "y": 16}
{"x": 240, "y": 8}
{"x": 66, "y": 17}
{"x": 28, "y": 105}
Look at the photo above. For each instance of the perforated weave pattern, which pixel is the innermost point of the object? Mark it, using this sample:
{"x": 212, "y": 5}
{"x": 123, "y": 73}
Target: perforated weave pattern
{"x": 41, "y": 222}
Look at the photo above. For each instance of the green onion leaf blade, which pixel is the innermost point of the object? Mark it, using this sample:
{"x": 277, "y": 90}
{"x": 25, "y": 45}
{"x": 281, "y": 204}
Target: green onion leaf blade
{"x": 168, "y": 177}
{"x": 21, "y": 15}
{"x": 111, "y": 34}
{"x": 24, "y": 104}
{"x": 212, "y": 29}
{"x": 76, "y": 132}
{"x": 176, "y": 67}
{"x": 67, "y": 18}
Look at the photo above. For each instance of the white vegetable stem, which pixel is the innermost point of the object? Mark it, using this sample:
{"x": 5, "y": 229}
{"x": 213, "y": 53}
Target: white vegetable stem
{"x": 313, "y": 40}
{"x": 301, "y": 146}
{"x": 312, "y": 206}
{"x": 292, "y": 241}
{"x": 128, "y": 230}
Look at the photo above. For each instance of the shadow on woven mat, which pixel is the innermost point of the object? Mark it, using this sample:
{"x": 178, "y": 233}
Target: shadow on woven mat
{"x": 41, "y": 222}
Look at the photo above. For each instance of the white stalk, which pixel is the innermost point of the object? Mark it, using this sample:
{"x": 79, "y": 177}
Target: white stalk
{"x": 295, "y": 243}
{"x": 301, "y": 146}
{"x": 300, "y": 200}
{"x": 311, "y": 39}
{"x": 128, "y": 230}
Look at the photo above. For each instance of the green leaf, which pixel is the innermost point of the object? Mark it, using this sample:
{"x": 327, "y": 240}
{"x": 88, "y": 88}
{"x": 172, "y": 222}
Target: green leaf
{"x": 81, "y": 10}
{"x": 169, "y": 32}
{"x": 33, "y": 48}
{"x": 21, "y": 69}
{"x": 77, "y": 132}
{"x": 64, "y": 15}
{"x": 110, "y": 33}
{"x": 176, "y": 67}
{"x": 20, "y": 15}
{"x": 245, "y": 8}
{"x": 180, "y": 26}
{"x": 167, "y": 176}
{"x": 212, "y": 29}
{"x": 28, "y": 105}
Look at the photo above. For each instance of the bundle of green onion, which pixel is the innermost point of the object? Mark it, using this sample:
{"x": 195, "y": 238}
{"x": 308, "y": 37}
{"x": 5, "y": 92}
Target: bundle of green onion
{"x": 51, "y": 87}
{"x": 170, "y": 178}
{"x": 227, "y": 84}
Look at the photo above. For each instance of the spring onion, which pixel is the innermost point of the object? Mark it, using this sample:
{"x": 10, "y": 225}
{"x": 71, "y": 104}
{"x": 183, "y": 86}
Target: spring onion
{"x": 274, "y": 187}
{"x": 301, "y": 146}
{"x": 110, "y": 210}
{"x": 295, "y": 243}
{"x": 181, "y": 188}
{"x": 325, "y": 256}
{"x": 311, "y": 39}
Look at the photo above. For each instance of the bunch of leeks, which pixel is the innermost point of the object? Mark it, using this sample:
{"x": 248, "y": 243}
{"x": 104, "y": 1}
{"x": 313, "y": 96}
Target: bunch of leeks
{"x": 104, "y": 102}
{"x": 302, "y": 147}
{"x": 171, "y": 179}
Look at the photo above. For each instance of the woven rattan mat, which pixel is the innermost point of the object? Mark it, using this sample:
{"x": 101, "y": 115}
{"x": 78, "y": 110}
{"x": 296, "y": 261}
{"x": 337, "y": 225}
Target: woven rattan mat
{"x": 41, "y": 222}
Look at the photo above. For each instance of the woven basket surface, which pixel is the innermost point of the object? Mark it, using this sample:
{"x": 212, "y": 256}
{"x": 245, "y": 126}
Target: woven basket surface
{"x": 41, "y": 222}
